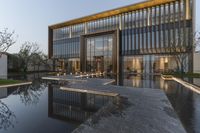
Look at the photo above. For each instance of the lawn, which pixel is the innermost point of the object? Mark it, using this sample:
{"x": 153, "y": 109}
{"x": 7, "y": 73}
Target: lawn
{"x": 9, "y": 82}
{"x": 188, "y": 75}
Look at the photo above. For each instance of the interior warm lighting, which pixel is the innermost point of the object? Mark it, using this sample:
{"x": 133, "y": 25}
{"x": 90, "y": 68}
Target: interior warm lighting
{"x": 187, "y": 14}
{"x": 136, "y": 81}
{"x": 166, "y": 87}
{"x": 136, "y": 64}
{"x": 162, "y": 63}
{"x": 166, "y": 60}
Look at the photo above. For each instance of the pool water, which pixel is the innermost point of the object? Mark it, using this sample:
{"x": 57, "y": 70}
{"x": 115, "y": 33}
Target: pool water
{"x": 44, "y": 108}
{"x": 185, "y": 102}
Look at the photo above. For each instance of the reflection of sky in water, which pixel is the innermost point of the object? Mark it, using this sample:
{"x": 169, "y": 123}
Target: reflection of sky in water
{"x": 7, "y": 117}
{"x": 42, "y": 108}
{"x": 29, "y": 106}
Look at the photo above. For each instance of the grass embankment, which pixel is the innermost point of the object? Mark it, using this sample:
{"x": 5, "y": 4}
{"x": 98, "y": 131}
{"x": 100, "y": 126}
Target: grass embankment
{"x": 188, "y": 75}
{"x": 9, "y": 82}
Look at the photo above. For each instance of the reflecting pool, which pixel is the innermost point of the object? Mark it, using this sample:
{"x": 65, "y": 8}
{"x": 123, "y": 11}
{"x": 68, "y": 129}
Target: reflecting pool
{"x": 44, "y": 108}
{"x": 185, "y": 102}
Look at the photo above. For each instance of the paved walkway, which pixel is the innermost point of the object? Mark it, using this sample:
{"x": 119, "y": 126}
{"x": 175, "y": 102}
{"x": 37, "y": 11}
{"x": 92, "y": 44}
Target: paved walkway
{"x": 141, "y": 111}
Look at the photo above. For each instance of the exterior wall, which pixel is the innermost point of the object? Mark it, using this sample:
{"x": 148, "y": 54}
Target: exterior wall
{"x": 143, "y": 31}
{"x": 196, "y": 63}
{"x": 149, "y": 64}
{"x": 3, "y": 66}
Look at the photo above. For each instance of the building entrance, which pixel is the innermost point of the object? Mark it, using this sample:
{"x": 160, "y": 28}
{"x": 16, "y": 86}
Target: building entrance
{"x": 99, "y": 63}
{"x": 99, "y": 53}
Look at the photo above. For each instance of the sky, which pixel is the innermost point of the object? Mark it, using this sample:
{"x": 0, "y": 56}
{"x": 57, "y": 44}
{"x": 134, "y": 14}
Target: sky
{"x": 30, "y": 18}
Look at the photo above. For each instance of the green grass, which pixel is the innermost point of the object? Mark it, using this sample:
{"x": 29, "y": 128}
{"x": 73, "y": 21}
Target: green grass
{"x": 189, "y": 75}
{"x": 9, "y": 82}
{"x": 167, "y": 76}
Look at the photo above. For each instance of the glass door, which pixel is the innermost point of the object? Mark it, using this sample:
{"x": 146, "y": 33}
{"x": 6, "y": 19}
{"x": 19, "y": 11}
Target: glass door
{"x": 99, "y": 63}
{"x": 99, "y": 53}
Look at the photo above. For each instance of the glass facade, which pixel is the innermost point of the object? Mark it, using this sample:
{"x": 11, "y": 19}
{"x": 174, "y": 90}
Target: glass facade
{"x": 72, "y": 65}
{"x": 66, "y": 48}
{"x": 153, "y": 30}
{"x": 99, "y": 54}
{"x": 160, "y": 30}
{"x": 150, "y": 64}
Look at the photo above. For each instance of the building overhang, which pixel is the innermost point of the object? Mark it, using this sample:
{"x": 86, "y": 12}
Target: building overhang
{"x": 113, "y": 12}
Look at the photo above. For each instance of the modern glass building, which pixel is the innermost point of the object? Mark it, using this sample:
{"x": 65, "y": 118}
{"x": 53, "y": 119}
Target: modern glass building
{"x": 139, "y": 38}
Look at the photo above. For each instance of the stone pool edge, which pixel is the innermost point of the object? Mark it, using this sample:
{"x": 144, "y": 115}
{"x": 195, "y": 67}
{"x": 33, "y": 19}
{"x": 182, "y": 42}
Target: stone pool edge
{"x": 14, "y": 85}
{"x": 188, "y": 85}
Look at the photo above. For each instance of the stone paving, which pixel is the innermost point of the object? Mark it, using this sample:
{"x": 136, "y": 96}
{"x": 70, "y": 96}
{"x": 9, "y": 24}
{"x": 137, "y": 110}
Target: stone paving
{"x": 143, "y": 110}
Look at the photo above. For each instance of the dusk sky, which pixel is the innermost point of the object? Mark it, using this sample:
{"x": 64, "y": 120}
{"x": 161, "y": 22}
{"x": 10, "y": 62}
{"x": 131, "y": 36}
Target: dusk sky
{"x": 30, "y": 18}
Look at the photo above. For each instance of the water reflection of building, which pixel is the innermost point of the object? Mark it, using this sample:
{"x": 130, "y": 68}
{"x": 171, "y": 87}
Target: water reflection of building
{"x": 182, "y": 100}
{"x": 144, "y": 81}
{"x": 185, "y": 102}
{"x": 73, "y": 106}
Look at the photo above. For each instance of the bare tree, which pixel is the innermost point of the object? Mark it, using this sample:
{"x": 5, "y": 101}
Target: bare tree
{"x": 180, "y": 48}
{"x": 7, "y": 39}
{"x": 39, "y": 59}
{"x": 35, "y": 60}
{"x": 44, "y": 61}
{"x": 31, "y": 94}
{"x": 27, "y": 51}
{"x": 7, "y": 117}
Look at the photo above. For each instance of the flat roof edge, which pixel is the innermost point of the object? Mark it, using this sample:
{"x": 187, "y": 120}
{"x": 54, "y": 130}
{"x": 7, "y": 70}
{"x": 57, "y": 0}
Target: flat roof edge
{"x": 112, "y": 12}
